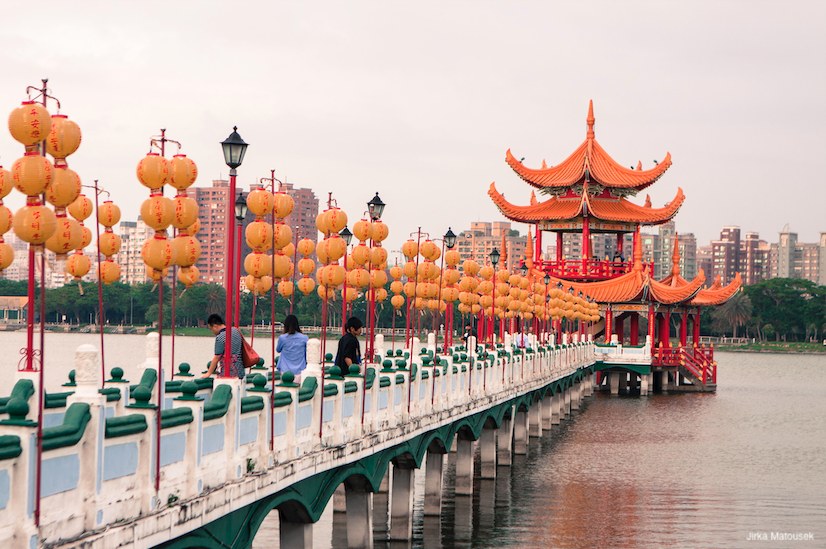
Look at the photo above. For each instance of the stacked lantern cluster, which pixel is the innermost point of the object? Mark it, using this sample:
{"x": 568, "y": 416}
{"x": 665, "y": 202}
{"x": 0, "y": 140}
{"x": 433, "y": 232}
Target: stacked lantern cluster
{"x": 283, "y": 243}
{"x": 468, "y": 284}
{"x": 33, "y": 175}
{"x": 332, "y": 248}
{"x": 369, "y": 263}
{"x": 6, "y": 251}
{"x": 259, "y": 236}
{"x": 422, "y": 287}
{"x": 306, "y": 266}
{"x": 503, "y": 299}
{"x": 564, "y": 304}
{"x": 159, "y": 212}
{"x": 397, "y": 287}
{"x": 78, "y": 264}
{"x": 358, "y": 276}
{"x": 450, "y": 277}
{"x": 109, "y": 215}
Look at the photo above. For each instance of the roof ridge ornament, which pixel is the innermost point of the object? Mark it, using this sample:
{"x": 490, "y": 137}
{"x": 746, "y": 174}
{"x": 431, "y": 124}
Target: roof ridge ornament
{"x": 675, "y": 259}
{"x": 590, "y": 120}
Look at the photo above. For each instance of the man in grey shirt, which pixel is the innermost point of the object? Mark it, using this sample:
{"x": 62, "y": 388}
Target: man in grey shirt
{"x": 236, "y": 369}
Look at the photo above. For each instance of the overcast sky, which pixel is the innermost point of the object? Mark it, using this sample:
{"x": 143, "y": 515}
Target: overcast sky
{"x": 420, "y": 100}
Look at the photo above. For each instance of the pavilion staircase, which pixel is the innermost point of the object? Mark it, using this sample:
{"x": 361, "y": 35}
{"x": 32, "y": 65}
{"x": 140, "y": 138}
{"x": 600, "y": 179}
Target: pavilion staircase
{"x": 694, "y": 363}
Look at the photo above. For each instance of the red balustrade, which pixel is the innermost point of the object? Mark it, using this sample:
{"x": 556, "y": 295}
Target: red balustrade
{"x": 589, "y": 269}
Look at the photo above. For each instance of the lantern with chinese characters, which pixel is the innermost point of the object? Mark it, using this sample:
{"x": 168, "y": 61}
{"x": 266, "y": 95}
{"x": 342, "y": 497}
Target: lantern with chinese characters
{"x": 306, "y": 266}
{"x": 64, "y": 190}
{"x": 285, "y": 288}
{"x": 153, "y": 171}
{"x": 64, "y": 139}
{"x": 30, "y": 123}
{"x": 77, "y": 265}
{"x": 34, "y": 223}
{"x": 109, "y": 271}
{"x": 66, "y": 237}
{"x": 189, "y": 275}
{"x": 32, "y": 174}
{"x": 157, "y": 252}
{"x": 186, "y": 250}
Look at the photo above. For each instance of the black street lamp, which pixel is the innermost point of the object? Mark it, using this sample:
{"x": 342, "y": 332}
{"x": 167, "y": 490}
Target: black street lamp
{"x": 450, "y": 239}
{"x": 241, "y": 207}
{"x": 547, "y": 279}
{"x": 346, "y": 235}
{"x": 375, "y": 207}
{"x": 234, "y": 149}
{"x": 494, "y": 257}
{"x": 523, "y": 269}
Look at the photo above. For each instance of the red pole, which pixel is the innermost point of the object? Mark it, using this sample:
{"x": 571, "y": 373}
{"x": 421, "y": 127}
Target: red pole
{"x": 295, "y": 263}
{"x": 237, "y": 276}
{"x": 228, "y": 268}
{"x": 100, "y": 285}
{"x": 344, "y": 295}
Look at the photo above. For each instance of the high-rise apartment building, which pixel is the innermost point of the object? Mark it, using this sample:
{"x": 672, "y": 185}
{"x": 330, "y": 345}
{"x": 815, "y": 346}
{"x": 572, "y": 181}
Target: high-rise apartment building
{"x": 479, "y": 241}
{"x": 725, "y": 255}
{"x": 132, "y": 236}
{"x": 657, "y": 249}
{"x": 793, "y": 259}
{"x": 688, "y": 256}
{"x": 754, "y": 259}
{"x": 305, "y": 210}
{"x": 212, "y": 213}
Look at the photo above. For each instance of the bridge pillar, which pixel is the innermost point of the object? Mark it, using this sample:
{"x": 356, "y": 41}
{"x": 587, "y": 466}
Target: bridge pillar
{"x": 567, "y": 404}
{"x": 401, "y": 502}
{"x": 535, "y": 419}
{"x": 614, "y": 380}
{"x": 504, "y": 440}
{"x": 520, "y": 433}
{"x": 340, "y": 500}
{"x": 359, "y": 508}
{"x": 487, "y": 453}
{"x": 464, "y": 466}
{"x": 547, "y": 408}
{"x": 664, "y": 381}
{"x": 575, "y": 390}
{"x": 433, "y": 483}
{"x": 556, "y": 408}
{"x": 645, "y": 382}
{"x": 298, "y": 535}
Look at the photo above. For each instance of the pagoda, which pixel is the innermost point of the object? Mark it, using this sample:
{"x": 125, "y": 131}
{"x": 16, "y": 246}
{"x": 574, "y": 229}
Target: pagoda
{"x": 589, "y": 194}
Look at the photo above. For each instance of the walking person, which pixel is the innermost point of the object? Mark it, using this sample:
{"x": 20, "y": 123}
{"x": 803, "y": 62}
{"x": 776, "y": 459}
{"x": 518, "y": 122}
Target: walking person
{"x": 349, "y": 350}
{"x": 236, "y": 368}
{"x": 292, "y": 346}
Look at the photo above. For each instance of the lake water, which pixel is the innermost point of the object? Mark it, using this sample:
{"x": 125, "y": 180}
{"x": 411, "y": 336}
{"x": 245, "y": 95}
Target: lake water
{"x": 691, "y": 470}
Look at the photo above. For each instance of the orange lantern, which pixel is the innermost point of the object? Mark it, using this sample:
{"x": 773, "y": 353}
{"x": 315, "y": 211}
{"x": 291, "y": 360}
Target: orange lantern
{"x": 34, "y": 223}
{"x": 397, "y": 301}
{"x": 396, "y": 272}
{"x": 189, "y": 275}
{"x": 452, "y": 257}
{"x": 335, "y": 220}
{"x": 378, "y": 256}
{"x": 257, "y": 264}
{"x": 396, "y": 287}
{"x": 331, "y": 276}
{"x": 470, "y": 267}
{"x": 109, "y": 214}
{"x": 335, "y": 247}
{"x": 306, "y": 246}
{"x": 184, "y": 211}
{"x": 32, "y": 174}
{"x": 6, "y": 255}
{"x": 156, "y": 275}
{"x": 486, "y": 272}
{"x": 306, "y": 266}
{"x": 64, "y": 137}
{"x": 361, "y": 254}
{"x": 6, "y": 183}
{"x": 288, "y": 250}
{"x": 350, "y": 295}
{"x": 321, "y": 224}
{"x": 410, "y": 289}
{"x": 186, "y": 250}
{"x": 378, "y": 278}
{"x": 153, "y": 171}
{"x": 66, "y": 236}
{"x": 65, "y": 188}
{"x": 428, "y": 249}
{"x": 5, "y": 219}
{"x": 358, "y": 278}
{"x": 259, "y": 235}
{"x": 78, "y": 265}
{"x": 285, "y": 288}
{"x": 283, "y": 206}
{"x": 109, "y": 271}
{"x": 409, "y": 269}
{"x": 182, "y": 172}
{"x": 306, "y": 285}
{"x": 381, "y": 294}
{"x": 264, "y": 284}
{"x": 81, "y": 208}
{"x": 157, "y": 253}
{"x": 451, "y": 276}
{"x": 193, "y": 229}
{"x": 156, "y": 212}
{"x": 410, "y": 249}
{"x": 85, "y": 237}
{"x": 260, "y": 202}
{"x": 282, "y": 235}
{"x": 380, "y": 230}
{"x": 281, "y": 264}
{"x": 362, "y": 230}
{"x": 30, "y": 123}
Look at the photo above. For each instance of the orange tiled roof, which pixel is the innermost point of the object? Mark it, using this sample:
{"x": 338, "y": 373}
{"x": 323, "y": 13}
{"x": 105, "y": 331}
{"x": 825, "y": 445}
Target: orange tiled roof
{"x": 608, "y": 209}
{"x": 718, "y": 295}
{"x": 668, "y": 294}
{"x": 592, "y": 157}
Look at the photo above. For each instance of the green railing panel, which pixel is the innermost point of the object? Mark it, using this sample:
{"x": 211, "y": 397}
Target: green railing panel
{"x": 71, "y": 431}
{"x": 125, "y": 425}
{"x": 175, "y": 416}
{"x": 219, "y": 404}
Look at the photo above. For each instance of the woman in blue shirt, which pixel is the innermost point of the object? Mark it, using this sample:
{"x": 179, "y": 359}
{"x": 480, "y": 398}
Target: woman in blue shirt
{"x": 292, "y": 345}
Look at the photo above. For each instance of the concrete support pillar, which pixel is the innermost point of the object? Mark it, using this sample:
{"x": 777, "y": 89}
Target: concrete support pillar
{"x": 487, "y": 453}
{"x": 339, "y": 500}
{"x": 575, "y": 396}
{"x": 401, "y": 504}
{"x": 567, "y": 403}
{"x": 464, "y": 467}
{"x": 664, "y": 380}
{"x": 535, "y": 419}
{"x": 433, "y": 484}
{"x": 298, "y": 535}
{"x": 359, "y": 505}
{"x": 614, "y": 381}
{"x": 556, "y": 408}
{"x": 645, "y": 383}
{"x": 520, "y": 434}
{"x": 623, "y": 382}
{"x": 547, "y": 407}
{"x": 504, "y": 441}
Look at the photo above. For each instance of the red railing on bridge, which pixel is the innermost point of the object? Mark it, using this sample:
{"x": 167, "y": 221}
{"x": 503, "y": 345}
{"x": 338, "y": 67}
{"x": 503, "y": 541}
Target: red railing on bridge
{"x": 697, "y": 360}
{"x": 589, "y": 269}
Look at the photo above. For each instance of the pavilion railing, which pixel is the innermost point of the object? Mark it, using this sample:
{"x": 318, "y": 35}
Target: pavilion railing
{"x": 589, "y": 269}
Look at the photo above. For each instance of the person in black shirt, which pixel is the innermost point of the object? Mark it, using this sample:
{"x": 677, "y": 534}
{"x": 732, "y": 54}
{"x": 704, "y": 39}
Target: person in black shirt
{"x": 349, "y": 351}
{"x": 469, "y": 331}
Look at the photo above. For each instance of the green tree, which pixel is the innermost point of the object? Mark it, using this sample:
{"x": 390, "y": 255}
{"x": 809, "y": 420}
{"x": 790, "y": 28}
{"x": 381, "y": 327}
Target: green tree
{"x": 735, "y": 312}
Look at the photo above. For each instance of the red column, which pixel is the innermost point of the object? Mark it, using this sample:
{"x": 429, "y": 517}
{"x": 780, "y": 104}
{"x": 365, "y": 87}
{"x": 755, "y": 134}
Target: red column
{"x": 620, "y": 237}
{"x": 651, "y": 323}
{"x": 620, "y": 327}
{"x": 608, "y": 323}
{"x": 538, "y": 255}
{"x": 586, "y": 244}
{"x": 697, "y": 328}
{"x": 559, "y": 251}
{"x": 666, "y": 329}
{"x": 684, "y": 328}
{"x": 635, "y": 329}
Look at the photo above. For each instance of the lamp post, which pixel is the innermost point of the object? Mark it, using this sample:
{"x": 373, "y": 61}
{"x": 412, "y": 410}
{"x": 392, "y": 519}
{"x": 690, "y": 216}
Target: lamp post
{"x": 375, "y": 207}
{"x": 450, "y": 241}
{"x": 547, "y": 280}
{"x": 494, "y": 260}
{"x": 234, "y": 150}
{"x": 240, "y": 214}
{"x": 347, "y": 236}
